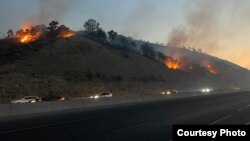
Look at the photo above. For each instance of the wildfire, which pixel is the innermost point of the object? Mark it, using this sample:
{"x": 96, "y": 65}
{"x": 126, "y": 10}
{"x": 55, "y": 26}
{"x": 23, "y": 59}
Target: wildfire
{"x": 211, "y": 69}
{"x": 31, "y": 33}
{"x": 64, "y": 32}
{"x": 67, "y": 35}
{"x": 184, "y": 65}
{"x": 173, "y": 64}
{"x": 24, "y": 39}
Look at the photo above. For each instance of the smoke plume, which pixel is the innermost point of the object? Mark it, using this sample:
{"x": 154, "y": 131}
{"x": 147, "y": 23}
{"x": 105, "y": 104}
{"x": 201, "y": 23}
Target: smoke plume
{"x": 201, "y": 27}
{"x": 51, "y": 10}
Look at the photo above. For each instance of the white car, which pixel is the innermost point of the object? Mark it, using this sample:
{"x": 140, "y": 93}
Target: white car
{"x": 26, "y": 99}
{"x": 102, "y": 95}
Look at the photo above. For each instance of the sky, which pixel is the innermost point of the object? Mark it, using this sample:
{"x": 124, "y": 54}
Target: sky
{"x": 220, "y": 28}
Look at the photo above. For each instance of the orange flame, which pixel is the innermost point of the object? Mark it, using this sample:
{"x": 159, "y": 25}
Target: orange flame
{"x": 173, "y": 64}
{"x": 211, "y": 69}
{"x": 24, "y": 39}
{"x": 67, "y": 35}
{"x": 26, "y": 34}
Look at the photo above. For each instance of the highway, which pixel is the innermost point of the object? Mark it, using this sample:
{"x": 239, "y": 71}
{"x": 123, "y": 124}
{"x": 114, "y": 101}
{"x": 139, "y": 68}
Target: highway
{"x": 147, "y": 121}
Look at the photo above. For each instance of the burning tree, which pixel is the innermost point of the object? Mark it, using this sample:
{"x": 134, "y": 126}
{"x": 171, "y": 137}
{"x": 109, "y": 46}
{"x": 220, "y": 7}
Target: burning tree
{"x": 33, "y": 33}
{"x": 65, "y": 32}
{"x": 27, "y": 35}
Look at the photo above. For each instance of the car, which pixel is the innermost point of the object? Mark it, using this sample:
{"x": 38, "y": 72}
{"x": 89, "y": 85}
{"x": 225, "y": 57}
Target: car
{"x": 168, "y": 92}
{"x": 26, "y": 99}
{"x": 102, "y": 95}
{"x": 206, "y": 90}
{"x": 52, "y": 98}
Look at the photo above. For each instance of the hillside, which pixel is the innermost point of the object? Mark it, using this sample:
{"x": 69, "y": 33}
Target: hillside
{"x": 230, "y": 72}
{"x": 77, "y": 66}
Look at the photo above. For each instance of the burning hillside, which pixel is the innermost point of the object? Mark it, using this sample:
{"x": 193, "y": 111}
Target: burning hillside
{"x": 210, "y": 68}
{"x": 173, "y": 64}
{"x": 184, "y": 65}
{"x": 28, "y": 35}
{"x": 41, "y": 32}
{"x": 64, "y": 32}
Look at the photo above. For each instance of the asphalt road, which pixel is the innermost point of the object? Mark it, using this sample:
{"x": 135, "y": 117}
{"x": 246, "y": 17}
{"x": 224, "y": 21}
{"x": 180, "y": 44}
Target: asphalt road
{"x": 149, "y": 121}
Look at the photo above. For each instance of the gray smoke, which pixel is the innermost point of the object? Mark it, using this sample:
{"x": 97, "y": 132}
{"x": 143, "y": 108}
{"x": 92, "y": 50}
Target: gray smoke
{"x": 140, "y": 22}
{"x": 51, "y": 10}
{"x": 201, "y": 25}
{"x": 218, "y": 27}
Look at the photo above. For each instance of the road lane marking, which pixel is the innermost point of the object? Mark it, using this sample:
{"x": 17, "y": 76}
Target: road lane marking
{"x": 131, "y": 127}
{"x": 219, "y": 120}
{"x": 240, "y": 109}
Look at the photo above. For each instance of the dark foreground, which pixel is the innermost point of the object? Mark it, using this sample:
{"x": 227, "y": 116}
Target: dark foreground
{"x": 149, "y": 121}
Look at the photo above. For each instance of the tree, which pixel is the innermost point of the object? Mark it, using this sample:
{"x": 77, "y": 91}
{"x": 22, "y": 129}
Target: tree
{"x": 122, "y": 42}
{"x": 100, "y": 35}
{"x": 52, "y": 28}
{"x": 161, "y": 57}
{"x": 132, "y": 43}
{"x": 62, "y": 30}
{"x": 40, "y": 30}
{"x": 20, "y": 33}
{"x": 10, "y": 34}
{"x": 112, "y": 35}
{"x": 91, "y": 25}
{"x": 200, "y": 50}
{"x": 148, "y": 51}
{"x": 33, "y": 31}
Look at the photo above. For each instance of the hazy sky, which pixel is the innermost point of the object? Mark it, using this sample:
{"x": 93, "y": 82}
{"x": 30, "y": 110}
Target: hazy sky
{"x": 219, "y": 27}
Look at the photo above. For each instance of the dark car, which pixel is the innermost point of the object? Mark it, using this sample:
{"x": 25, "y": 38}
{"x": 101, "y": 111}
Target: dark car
{"x": 52, "y": 98}
{"x": 168, "y": 92}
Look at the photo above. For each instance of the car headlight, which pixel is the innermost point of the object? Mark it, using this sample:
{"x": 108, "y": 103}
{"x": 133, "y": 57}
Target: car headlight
{"x": 205, "y": 90}
{"x": 33, "y": 101}
{"x": 168, "y": 92}
{"x": 162, "y": 92}
{"x": 96, "y": 97}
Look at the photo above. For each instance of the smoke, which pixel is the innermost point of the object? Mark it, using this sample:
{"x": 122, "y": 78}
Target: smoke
{"x": 141, "y": 20}
{"x": 201, "y": 27}
{"x": 217, "y": 27}
{"x": 51, "y": 10}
